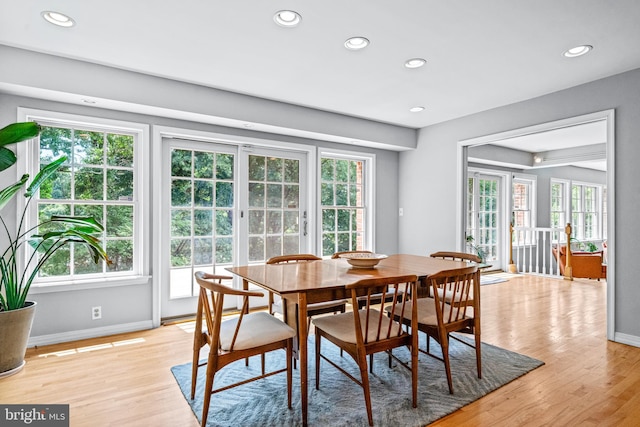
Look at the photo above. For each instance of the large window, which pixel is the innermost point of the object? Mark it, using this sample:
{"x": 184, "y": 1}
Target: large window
{"x": 581, "y": 204}
{"x": 586, "y": 211}
{"x": 559, "y": 197}
{"x": 98, "y": 179}
{"x": 344, "y": 203}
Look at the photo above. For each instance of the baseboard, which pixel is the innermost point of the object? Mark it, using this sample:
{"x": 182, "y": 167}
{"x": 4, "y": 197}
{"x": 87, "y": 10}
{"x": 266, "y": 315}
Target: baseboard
{"x": 88, "y": 333}
{"x": 627, "y": 339}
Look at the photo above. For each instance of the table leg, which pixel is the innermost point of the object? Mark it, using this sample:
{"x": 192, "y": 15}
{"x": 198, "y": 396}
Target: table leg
{"x": 302, "y": 342}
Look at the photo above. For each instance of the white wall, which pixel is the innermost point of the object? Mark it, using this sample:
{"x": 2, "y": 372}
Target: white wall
{"x": 428, "y": 177}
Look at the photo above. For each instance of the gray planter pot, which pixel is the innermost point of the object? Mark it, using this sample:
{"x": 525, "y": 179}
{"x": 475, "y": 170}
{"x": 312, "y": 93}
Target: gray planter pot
{"x": 15, "y": 327}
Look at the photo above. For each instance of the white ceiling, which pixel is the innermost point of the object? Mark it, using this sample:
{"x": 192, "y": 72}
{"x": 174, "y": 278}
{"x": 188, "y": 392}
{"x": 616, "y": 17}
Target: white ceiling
{"x": 480, "y": 54}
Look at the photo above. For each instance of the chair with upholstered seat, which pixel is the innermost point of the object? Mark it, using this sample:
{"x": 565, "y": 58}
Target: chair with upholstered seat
{"x": 234, "y": 339}
{"x": 376, "y": 299}
{"x": 368, "y": 331}
{"x": 312, "y": 309}
{"x": 438, "y": 318}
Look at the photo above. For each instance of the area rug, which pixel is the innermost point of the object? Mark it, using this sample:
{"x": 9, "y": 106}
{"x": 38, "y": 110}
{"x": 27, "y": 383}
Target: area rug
{"x": 488, "y": 280}
{"x": 340, "y": 402}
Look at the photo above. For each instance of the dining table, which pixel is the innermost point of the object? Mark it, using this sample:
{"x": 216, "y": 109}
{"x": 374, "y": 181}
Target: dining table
{"x": 300, "y": 284}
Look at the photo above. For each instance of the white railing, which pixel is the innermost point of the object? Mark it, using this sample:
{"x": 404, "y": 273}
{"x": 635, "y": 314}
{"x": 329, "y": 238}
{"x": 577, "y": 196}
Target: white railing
{"x": 531, "y": 249}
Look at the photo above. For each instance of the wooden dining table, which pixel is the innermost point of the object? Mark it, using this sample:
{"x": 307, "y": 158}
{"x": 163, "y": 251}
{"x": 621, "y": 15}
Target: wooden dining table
{"x": 300, "y": 284}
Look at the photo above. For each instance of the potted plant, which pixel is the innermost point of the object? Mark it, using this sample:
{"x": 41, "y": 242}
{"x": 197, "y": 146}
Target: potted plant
{"x": 476, "y": 248}
{"x": 46, "y": 237}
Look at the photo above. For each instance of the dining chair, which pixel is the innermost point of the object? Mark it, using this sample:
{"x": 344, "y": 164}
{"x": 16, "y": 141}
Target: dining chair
{"x": 377, "y": 299}
{"x": 456, "y": 256}
{"x": 439, "y": 318}
{"x": 368, "y": 330}
{"x": 234, "y": 339}
{"x": 312, "y": 309}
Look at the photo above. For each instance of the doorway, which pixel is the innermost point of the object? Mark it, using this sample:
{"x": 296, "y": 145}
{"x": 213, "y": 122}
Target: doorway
{"x": 567, "y": 155}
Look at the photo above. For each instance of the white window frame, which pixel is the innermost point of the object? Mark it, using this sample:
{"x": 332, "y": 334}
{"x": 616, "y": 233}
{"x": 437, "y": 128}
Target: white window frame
{"x": 532, "y": 182}
{"x": 566, "y": 208}
{"x": 28, "y": 163}
{"x": 578, "y": 233}
{"x": 369, "y": 173}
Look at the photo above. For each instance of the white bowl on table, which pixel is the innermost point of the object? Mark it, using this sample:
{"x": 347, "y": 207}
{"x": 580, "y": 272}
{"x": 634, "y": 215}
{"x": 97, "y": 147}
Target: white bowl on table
{"x": 363, "y": 260}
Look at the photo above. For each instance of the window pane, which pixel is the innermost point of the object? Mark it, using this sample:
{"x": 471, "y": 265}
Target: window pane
{"x": 256, "y": 222}
{"x": 180, "y": 192}
{"x": 274, "y": 195}
{"x": 274, "y": 169}
{"x": 291, "y": 170}
{"x": 88, "y": 148}
{"x": 180, "y": 252}
{"x": 121, "y": 253}
{"x": 256, "y": 195}
{"x": 257, "y": 168}
{"x": 120, "y": 185}
{"x": 224, "y": 166}
{"x": 224, "y": 194}
{"x": 180, "y": 163}
{"x": 203, "y": 165}
{"x": 89, "y": 183}
{"x": 327, "y": 169}
{"x": 120, "y": 150}
{"x": 203, "y": 193}
{"x": 54, "y": 143}
{"x": 202, "y": 222}
{"x": 119, "y": 221}
{"x": 224, "y": 223}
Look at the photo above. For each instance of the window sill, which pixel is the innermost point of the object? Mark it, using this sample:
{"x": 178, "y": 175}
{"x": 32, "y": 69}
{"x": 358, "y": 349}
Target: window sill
{"x": 77, "y": 285}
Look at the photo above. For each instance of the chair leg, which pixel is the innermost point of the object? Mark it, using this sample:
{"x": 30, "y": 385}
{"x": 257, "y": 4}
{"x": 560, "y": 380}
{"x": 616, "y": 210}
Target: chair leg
{"x": 362, "y": 363}
{"x": 197, "y": 345}
{"x": 289, "y": 370}
{"x": 262, "y": 363}
{"x": 444, "y": 345}
{"x": 478, "y": 352}
{"x": 207, "y": 390}
{"x": 318, "y": 338}
{"x": 371, "y": 363}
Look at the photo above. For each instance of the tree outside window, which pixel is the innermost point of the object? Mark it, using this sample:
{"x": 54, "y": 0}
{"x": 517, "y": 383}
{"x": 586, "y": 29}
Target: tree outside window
{"x": 96, "y": 180}
{"x": 343, "y": 205}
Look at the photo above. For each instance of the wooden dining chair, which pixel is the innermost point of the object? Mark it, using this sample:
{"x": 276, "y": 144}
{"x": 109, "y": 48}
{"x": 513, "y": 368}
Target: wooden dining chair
{"x": 377, "y": 299}
{"x": 234, "y": 339}
{"x": 368, "y": 331}
{"x": 456, "y": 256}
{"x": 439, "y": 318}
{"x": 337, "y": 306}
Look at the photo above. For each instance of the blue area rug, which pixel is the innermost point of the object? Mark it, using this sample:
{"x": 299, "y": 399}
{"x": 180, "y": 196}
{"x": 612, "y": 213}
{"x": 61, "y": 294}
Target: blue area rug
{"x": 340, "y": 402}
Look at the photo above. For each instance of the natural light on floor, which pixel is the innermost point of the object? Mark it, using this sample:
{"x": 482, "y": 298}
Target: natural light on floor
{"x": 93, "y": 348}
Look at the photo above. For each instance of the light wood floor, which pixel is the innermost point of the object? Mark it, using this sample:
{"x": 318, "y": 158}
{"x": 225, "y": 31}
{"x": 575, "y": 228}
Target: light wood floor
{"x": 125, "y": 380}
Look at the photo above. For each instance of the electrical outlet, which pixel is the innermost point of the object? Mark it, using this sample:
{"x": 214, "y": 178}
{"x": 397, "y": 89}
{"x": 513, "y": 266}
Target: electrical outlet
{"x": 96, "y": 313}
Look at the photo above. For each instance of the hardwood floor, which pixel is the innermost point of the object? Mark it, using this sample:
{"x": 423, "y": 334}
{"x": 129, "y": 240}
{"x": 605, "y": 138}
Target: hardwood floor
{"x": 125, "y": 380}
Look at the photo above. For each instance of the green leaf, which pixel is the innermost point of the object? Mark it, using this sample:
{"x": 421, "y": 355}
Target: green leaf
{"x": 7, "y": 193}
{"x": 88, "y": 222}
{"x": 17, "y": 132}
{"x": 43, "y": 175}
{"x": 7, "y": 158}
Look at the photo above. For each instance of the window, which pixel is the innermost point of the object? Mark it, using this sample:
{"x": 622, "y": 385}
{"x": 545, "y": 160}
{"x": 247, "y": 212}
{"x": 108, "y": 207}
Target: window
{"x": 559, "y": 204}
{"x": 99, "y": 179}
{"x": 585, "y": 205}
{"x": 345, "y": 201}
{"x": 586, "y": 211}
{"x": 523, "y": 213}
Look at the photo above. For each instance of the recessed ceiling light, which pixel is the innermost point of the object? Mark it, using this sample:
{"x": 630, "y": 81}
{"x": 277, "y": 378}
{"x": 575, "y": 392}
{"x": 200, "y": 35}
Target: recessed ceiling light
{"x": 416, "y": 109}
{"x": 287, "y": 18}
{"x": 88, "y": 101}
{"x": 58, "y": 18}
{"x": 356, "y": 43}
{"x": 415, "y": 63}
{"x": 578, "y": 51}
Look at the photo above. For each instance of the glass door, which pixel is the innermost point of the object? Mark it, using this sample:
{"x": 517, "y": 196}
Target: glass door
{"x": 222, "y": 207}
{"x": 199, "y": 217}
{"x": 483, "y": 232}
